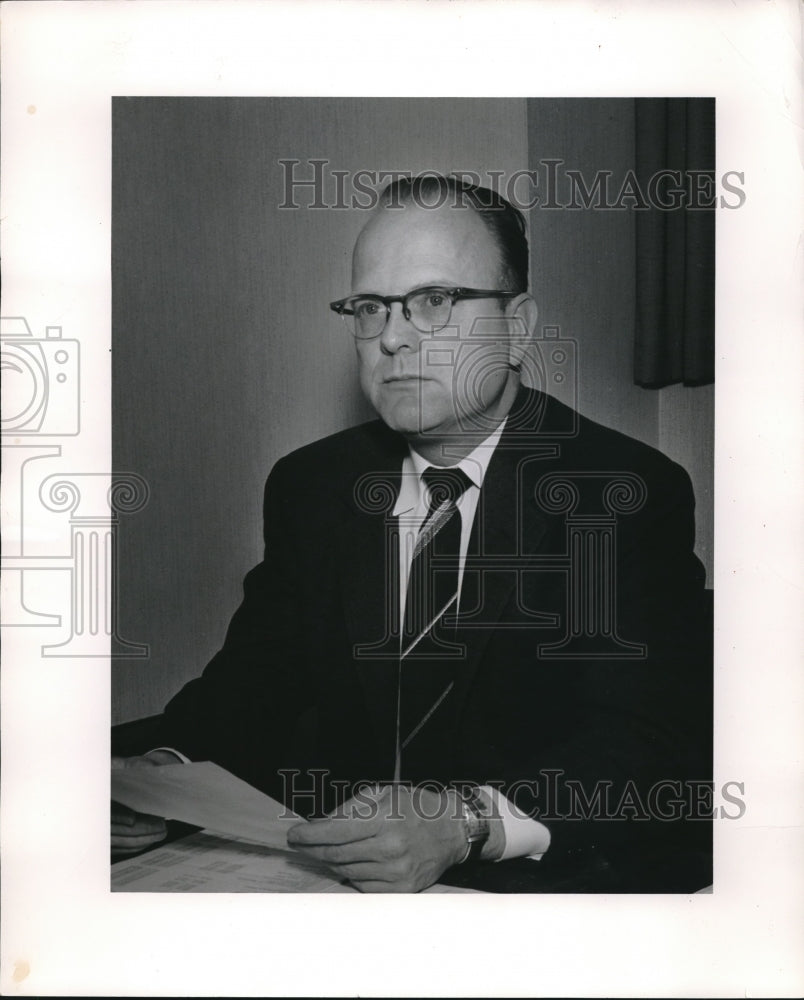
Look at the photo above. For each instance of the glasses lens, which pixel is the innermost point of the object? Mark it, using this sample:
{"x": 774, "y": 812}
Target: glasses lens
{"x": 368, "y": 319}
{"x": 430, "y": 310}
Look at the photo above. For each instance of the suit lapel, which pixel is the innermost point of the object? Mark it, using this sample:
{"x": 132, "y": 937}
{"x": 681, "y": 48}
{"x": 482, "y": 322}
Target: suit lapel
{"x": 507, "y": 534}
{"x": 369, "y": 583}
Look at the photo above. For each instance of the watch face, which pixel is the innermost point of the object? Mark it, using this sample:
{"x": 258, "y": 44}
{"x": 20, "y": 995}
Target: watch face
{"x": 477, "y": 827}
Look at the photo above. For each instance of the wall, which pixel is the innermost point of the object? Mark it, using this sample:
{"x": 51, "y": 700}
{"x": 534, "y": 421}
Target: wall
{"x": 583, "y": 277}
{"x": 686, "y": 433}
{"x": 226, "y": 356}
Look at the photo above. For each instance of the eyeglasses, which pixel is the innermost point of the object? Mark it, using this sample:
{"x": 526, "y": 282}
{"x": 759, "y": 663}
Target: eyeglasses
{"x": 428, "y": 309}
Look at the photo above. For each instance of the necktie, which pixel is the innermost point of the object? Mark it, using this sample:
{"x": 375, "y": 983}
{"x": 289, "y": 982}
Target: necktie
{"x": 427, "y": 656}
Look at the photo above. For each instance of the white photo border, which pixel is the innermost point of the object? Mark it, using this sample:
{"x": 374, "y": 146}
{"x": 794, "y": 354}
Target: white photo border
{"x": 64, "y": 932}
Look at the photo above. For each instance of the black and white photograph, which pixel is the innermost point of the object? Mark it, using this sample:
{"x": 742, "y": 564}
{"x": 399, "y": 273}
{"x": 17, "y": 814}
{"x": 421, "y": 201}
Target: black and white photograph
{"x": 402, "y": 449}
{"x": 477, "y": 648}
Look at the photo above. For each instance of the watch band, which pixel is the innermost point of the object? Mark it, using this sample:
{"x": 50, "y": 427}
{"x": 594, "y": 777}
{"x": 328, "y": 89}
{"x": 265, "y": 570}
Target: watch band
{"x": 477, "y": 824}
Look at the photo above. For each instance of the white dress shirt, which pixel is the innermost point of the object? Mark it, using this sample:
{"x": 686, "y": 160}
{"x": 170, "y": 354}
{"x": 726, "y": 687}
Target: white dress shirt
{"x": 524, "y": 837}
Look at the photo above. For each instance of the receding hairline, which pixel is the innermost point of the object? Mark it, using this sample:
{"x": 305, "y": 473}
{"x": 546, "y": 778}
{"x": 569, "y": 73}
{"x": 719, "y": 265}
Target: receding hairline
{"x": 383, "y": 210}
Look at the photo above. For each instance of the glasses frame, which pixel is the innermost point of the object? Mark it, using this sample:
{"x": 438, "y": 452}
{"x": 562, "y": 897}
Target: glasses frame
{"x": 345, "y": 307}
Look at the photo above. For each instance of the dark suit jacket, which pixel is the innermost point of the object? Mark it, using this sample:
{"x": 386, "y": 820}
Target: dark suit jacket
{"x": 300, "y": 696}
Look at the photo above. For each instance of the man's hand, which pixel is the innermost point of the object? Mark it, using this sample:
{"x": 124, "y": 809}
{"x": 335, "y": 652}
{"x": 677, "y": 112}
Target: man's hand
{"x": 133, "y": 831}
{"x": 395, "y": 840}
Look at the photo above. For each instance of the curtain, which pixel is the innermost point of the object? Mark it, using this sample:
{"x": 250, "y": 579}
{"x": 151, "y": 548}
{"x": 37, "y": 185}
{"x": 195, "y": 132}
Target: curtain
{"x": 675, "y": 244}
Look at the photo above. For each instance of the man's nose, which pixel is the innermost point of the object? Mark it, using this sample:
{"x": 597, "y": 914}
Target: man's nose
{"x": 398, "y": 332}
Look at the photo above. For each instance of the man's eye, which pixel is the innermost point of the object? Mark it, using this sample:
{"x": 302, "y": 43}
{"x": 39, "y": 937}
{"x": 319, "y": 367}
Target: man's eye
{"x": 435, "y": 300}
{"x": 367, "y": 308}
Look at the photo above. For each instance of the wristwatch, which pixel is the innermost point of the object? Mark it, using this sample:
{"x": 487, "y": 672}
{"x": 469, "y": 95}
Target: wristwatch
{"x": 476, "y": 823}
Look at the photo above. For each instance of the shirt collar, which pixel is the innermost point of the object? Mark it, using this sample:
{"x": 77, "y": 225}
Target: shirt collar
{"x": 475, "y": 465}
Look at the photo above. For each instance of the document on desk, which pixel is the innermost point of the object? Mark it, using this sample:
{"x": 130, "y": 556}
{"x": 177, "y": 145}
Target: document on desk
{"x": 208, "y": 796}
{"x": 204, "y": 862}
{"x": 243, "y": 848}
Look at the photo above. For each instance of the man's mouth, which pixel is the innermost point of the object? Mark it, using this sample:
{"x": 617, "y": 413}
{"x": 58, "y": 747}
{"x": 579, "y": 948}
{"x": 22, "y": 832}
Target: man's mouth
{"x": 404, "y": 378}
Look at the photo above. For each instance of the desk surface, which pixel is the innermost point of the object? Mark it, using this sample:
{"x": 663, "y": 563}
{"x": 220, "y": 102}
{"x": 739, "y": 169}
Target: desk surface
{"x": 189, "y": 857}
{"x": 205, "y": 862}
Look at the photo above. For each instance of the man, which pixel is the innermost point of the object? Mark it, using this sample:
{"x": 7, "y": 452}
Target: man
{"x": 501, "y": 662}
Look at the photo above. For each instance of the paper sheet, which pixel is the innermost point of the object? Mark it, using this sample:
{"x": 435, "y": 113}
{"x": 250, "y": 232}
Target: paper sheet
{"x": 205, "y": 795}
{"x": 204, "y": 862}
{"x": 243, "y": 848}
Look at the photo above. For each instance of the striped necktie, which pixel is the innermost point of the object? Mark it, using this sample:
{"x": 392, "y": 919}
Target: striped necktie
{"x": 427, "y": 658}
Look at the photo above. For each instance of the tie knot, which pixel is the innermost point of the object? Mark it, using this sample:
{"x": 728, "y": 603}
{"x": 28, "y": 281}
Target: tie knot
{"x": 445, "y": 484}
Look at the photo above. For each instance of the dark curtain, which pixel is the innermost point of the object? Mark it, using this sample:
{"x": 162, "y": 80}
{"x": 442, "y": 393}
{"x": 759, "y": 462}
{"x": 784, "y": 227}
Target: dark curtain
{"x": 675, "y": 245}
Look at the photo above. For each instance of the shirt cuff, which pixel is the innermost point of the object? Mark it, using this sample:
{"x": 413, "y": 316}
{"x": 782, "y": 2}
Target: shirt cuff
{"x": 177, "y": 753}
{"x": 524, "y": 837}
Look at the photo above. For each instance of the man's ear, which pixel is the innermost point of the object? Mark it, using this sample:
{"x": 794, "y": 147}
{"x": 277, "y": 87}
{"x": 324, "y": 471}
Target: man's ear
{"x": 523, "y": 314}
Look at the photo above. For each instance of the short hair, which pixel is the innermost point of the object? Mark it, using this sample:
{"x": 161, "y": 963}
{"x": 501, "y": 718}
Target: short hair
{"x": 505, "y": 222}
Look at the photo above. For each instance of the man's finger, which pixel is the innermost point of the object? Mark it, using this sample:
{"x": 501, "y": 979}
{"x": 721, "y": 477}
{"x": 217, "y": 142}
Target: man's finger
{"x": 362, "y": 872}
{"x": 357, "y": 852}
{"x": 130, "y": 845}
{"x": 153, "y": 827}
{"x": 371, "y": 885}
{"x": 338, "y": 830}
{"x": 138, "y": 836}
{"x": 135, "y": 840}
{"x": 126, "y": 821}
{"x": 154, "y": 760}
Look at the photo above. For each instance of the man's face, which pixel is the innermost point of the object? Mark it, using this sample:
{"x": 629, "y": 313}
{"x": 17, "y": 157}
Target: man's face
{"x": 431, "y": 386}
